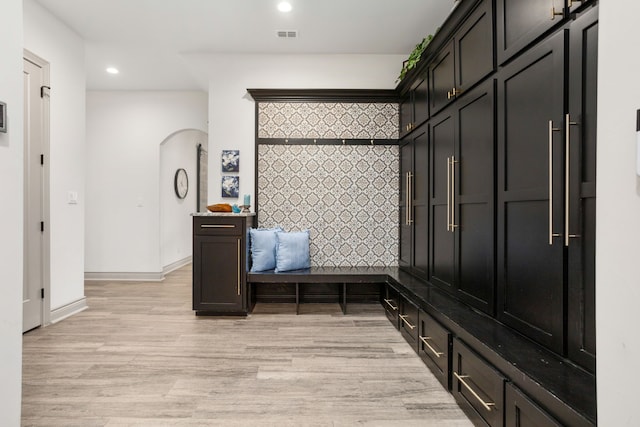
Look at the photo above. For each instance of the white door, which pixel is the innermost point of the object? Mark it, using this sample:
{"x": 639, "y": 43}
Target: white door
{"x": 36, "y": 116}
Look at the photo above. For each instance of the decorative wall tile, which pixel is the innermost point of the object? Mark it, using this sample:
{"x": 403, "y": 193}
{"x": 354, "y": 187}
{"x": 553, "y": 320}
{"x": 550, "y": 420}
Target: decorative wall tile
{"x": 328, "y": 120}
{"x": 346, "y": 195}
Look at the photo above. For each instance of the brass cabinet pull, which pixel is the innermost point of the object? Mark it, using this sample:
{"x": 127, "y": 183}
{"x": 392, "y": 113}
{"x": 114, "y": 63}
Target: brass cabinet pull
{"x": 390, "y": 304}
{"x": 567, "y": 177}
{"x": 406, "y": 202}
{"x": 406, "y": 322}
{"x": 410, "y": 210}
{"x": 239, "y": 264}
{"x": 217, "y": 226}
{"x": 551, "y": 233}
{"x": 449, "y": 96}
{"x": 449, "y": 194}
{"x": 433, "y": 350}
{"x": 461, "y": 378}
{"x": 453, "y": 193}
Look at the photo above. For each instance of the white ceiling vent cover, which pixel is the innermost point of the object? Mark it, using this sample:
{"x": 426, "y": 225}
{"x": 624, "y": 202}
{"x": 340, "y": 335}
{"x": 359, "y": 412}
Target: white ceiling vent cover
{"x": 287, "y": 34}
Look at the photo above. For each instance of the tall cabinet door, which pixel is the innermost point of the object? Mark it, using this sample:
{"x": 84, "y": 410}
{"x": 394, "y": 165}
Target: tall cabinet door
{"x": 420, "y": 205}
{"x": 581, "y": 181}
{"x": 530, "y": 193}
{"x": 442, "y": 271}
{"x": 406, "y": 227}
{"x": 474, "y": 178}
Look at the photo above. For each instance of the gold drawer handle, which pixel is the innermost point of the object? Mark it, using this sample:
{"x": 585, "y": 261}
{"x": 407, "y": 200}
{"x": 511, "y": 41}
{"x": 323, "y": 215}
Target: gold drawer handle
{"x": 433, "y": 350}
{"x": 217, "y": 226}
{"x": 486, "y": 405}
{"x": 404, "y": 319}
{"x": 390, "y": 304}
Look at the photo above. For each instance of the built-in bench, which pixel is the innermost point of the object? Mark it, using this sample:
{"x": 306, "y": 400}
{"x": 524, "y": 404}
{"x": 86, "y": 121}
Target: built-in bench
{"x": 559, "y": 386}
{"x": 339, "y": 275}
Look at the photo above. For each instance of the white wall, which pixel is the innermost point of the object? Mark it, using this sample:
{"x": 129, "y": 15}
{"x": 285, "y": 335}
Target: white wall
{"x": 178, "y": 151}
{"x": 45, "y": 36}
{"x": 124, "y": 133}
{"x": 618, "y": 215}
{"x": 11, "y": 160}
{"x": 232, "y": 110}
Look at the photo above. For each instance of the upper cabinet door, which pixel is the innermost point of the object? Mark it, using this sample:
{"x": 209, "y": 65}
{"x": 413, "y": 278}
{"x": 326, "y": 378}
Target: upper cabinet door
{"x": 474, "y": 48}
{"x": 442, "y": 78}
{"x": 406, "y": 114}
{"x": 520, "y": 22}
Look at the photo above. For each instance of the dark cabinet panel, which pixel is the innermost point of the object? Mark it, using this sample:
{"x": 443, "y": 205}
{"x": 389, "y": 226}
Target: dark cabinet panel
{"x": 391, "y": 303}
{"x": 474, "y": 48}
{"x": 409, "y": 322}
{"x": 520, "y": 411}
{"x": 414, "y": 203}
{"x": 464, "y": 61}
{"x": 581, "y": 179}
{"x": 477, "y": 386}
{"x": 519, "y": 23}
{"x": 442, "y": 268}
{"x": 219, "y": 264}
{"x": 414, "y": 105}
{"x": 530, "y": 193}
{"x": 462, "y": 185}
{"x": 442, "y": 78}
{"x": 474, "y": 180}
{"x": 406, "y": 228}
{"x": 434, "y": 342}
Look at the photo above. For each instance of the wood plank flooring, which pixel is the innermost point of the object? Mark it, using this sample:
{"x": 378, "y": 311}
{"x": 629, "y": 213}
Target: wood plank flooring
{"x": 140, "y": 357}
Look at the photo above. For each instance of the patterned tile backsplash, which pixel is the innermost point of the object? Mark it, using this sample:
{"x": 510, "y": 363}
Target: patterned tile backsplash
{"x": 327, "y": 120}
{"x": 346, "y": 195}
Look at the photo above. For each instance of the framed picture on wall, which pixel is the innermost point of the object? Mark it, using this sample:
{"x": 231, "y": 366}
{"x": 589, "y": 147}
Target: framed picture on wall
{"x": 230, "y": 186}
{"x": 230, "y": 160}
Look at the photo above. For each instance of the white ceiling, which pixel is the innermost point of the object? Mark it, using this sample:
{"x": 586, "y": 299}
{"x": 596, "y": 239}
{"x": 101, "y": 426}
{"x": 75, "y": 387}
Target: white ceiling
{"x": 150, "y": 40}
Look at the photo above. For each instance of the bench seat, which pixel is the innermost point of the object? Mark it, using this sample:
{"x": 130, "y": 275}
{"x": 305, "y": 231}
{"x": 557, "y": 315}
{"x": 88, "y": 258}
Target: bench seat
{"x": 343, "y": 275}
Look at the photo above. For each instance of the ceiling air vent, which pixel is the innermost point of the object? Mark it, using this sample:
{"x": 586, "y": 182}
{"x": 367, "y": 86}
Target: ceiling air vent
{"x": 287, "y": 34}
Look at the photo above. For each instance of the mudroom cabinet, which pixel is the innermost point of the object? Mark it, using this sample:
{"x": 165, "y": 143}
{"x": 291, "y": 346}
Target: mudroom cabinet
{"x": 461, "y": 196}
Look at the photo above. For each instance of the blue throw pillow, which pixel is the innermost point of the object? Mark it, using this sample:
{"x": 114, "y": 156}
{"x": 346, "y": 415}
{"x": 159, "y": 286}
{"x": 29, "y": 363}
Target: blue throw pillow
{"x": 292, "y": 251}
{"x": 263, "y": 248}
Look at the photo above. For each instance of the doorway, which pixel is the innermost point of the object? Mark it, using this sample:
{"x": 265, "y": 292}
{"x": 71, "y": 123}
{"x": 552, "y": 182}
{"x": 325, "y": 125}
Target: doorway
{"x": 36, "y": 192}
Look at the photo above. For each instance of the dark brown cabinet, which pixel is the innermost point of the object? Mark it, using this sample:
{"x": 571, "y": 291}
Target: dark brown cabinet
{"x": 434, "y": 342}
{"x": 546, "y": 191}
{"x": 530, "y": 193}
{"x": 477, "y": 387}
{"x": 414, "y": 106}
{"x": 520, "y": 23}
{"x": 465, "y": 60}
{"x": 414, "y": 202}
{"x": 521, "y": 411}
{"x": 581, "y": 183}
{"x": 462, "y": 189}
{"x": 391, "y": 303}
{"x": 219, "y": 264}
{"x": 409, "y": 322}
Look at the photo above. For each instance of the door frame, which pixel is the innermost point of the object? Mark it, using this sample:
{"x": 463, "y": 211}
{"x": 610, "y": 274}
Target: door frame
{"x": 46, "y": 238}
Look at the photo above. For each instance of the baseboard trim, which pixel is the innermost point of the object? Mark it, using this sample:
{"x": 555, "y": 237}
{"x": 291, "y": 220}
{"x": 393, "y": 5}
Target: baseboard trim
{"x": 68, "y": 310}
{"x": 127, "y": 277}
{"x": 176, "y": 265}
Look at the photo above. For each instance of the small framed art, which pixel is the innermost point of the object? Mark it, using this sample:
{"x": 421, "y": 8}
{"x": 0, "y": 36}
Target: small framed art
{"x": 230, "y": 186}
{"x": 230, "y": 160}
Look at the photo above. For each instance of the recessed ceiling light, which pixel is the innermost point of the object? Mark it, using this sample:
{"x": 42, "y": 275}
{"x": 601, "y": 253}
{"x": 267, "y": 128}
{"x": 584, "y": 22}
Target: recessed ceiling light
{"x": 112, "y": 70}
{"x": 284, "y": 6}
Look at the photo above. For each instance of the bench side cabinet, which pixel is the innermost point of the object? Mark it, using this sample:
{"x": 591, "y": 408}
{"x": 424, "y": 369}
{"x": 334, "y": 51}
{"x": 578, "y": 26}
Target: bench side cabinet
{"x": 219, "y": 264}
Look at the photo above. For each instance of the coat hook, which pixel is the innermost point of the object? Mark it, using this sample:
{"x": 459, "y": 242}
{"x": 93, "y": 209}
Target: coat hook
{"x": 343, "y": 143}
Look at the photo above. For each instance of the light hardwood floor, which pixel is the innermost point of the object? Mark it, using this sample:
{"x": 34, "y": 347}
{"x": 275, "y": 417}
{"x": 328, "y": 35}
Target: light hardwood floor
{"x": 140, "y": 357}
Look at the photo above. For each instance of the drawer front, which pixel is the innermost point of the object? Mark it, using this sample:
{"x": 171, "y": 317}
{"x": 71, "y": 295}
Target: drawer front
{"x": 409, "y": 322}
{"x": 433, "y": 347}
{"x": 390, "y": 304}
{"x": 477, "y": 386}
{"x": 520, "y": 411}
{"x": 218, "y": 226}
